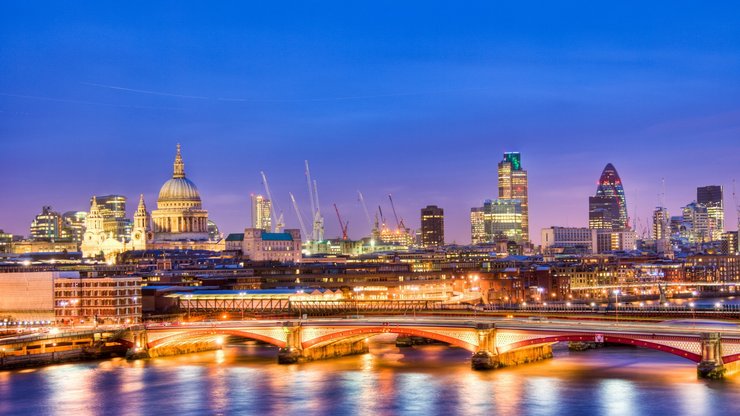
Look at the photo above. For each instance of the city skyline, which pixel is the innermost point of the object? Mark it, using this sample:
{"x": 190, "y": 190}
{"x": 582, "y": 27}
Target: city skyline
{"x": 423, "y": 112}
{"x": 333, "y": 229}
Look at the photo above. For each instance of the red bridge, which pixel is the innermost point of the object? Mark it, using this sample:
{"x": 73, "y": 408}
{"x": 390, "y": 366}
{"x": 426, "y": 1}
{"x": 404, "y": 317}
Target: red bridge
{"x": 493, "y": 342}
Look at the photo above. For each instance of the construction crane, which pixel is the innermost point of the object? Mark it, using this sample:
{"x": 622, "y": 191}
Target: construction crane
{"x": 737, "y": 206}
{"x": 399, "y": 223}
{"x": 300, "y": 217}
{"x": 313, "y": 196}
{"x": 342, "y": 225}
{"x": 382, "y": 218}
{"x": 276, "y": 221}
{"x": 364, "y": 207}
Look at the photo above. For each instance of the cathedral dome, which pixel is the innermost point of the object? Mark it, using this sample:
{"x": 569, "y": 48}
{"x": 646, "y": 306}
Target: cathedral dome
{"x": 179, "y": 189}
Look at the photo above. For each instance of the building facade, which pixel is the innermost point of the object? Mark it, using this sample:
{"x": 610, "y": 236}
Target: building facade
{"x": 579, "y": 239}
{"x": 261, "y": 213}
{"x": 610, "y": 202}
{"x": 179, "y": 214}
{"x": 260, "y": 245}
{"x": 501, "y": 220}
{"x": 711, "y": 198}
{"x": 47, "y": 226}
{"x": 432, "y": 226}
{"x": 513, "y": 184}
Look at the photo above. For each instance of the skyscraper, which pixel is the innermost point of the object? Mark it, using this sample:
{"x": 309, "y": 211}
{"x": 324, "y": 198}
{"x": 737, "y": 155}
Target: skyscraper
{"x": 610, "y": 200}
{"x": 661, "y": 224}
{"x": 47, "y": 226}
{"x": 696, "y": 223}
{"x": 261, "y": 208}
{"x": 113, "y": 210}
{"x": 73, "y": 225}
{"x": 513, "y": 184}
{"x": 432, "y": 226}
{"x": 603, "y": 213}
{"x": 477, "y": 225}
{"x": 711, "y": 198}
{"x": 497, "y": 220}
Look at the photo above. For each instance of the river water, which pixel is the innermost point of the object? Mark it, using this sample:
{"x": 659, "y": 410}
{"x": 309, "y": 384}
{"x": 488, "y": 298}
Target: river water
{"x": 426, "y": 380}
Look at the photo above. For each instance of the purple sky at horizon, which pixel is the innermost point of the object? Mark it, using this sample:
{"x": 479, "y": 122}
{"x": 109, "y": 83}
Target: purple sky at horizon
{"x": 420, "y": 102}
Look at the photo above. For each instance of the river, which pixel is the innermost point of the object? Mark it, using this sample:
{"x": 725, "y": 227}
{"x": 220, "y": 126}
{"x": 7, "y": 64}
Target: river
{"x": 426, "y": 380}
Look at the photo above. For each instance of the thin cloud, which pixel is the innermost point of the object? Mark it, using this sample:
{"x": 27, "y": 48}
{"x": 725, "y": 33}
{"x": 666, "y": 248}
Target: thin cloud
{"x": 285, "y": 100}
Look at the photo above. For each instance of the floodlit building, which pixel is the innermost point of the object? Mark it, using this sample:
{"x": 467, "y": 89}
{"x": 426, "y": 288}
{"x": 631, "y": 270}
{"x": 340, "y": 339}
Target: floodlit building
{"x": 260, "y": 245}
{"x": 501, "y": 219}
{"x": 432, "y": 226}
{"x": 609, "y": 203}
{"x": 69, "y": 298}
{"x": 261, "y": 213}
{"x": 711, "y": 198}
{"x": 47, "y": 226}
{"x": 513, "y": 185}
{"x": 580, "y": 239}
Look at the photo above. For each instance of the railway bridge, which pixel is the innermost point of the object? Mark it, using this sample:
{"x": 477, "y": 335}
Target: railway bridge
{"x": 493, "y": 343}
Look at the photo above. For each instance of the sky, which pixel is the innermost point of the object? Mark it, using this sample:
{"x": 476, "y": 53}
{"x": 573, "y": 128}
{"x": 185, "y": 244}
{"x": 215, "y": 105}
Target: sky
{"x": 415, "y": 99}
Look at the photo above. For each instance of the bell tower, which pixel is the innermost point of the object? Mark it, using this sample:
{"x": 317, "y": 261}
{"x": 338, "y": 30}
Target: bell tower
{"x": 141, "y": 233}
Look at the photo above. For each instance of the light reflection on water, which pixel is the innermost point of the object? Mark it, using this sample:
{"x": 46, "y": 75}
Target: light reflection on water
{"x": 434, "y": 379}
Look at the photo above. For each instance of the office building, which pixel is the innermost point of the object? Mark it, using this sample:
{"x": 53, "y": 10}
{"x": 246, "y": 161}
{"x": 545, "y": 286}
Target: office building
{"x": 661, "y": 224}
{"x": 502, "y": 221}
{"x": 603, "y": 213}
{"x": 261, "y": 213}
{"x": 47, "y": 226}
{"x": 112, "y": 209}
{"x": 579, "y": 240}
{"x": 260, "y": 245}
{"x": 610, "y": 240}
{"x": 73, "y": 226}
{"x": 711, "y": 198}
{"x": 610, "y": 203}
{"x": 432, "y": 226}
{"x": 696, "y": 223}
{"x": 730, "y": 243}
{"x": 513, "y": 185}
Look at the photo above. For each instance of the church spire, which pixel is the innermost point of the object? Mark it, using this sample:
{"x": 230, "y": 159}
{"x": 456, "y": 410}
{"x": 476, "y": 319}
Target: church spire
{"x": 142, "y": 206}
{"x": 179, "y": 171}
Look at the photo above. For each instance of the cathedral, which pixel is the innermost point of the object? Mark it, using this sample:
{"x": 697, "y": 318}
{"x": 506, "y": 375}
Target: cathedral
{"x": 179, "y": 222}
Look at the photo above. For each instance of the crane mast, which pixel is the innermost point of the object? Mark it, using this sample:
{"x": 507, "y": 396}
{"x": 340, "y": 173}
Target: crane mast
{"x": 275, "y": 221}
{"x": 342, "y": 225}
{"x": 399, "y": 224}
{"x": 364, "y": 207}
{"x": 298, "y": 214}
{"x": 313, "y": 196}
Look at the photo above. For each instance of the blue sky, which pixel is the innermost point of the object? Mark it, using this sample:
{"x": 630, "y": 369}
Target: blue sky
{"x": 418, "y": 99}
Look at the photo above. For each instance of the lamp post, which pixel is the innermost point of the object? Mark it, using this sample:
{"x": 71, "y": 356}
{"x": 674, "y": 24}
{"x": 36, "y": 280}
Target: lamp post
{"x": 693, "y": 314}
{"x": 241, "y": 296}
{"x": 188, "y": 297}
{"x": 64, "y": 304}
{"x": 616, "y": 303}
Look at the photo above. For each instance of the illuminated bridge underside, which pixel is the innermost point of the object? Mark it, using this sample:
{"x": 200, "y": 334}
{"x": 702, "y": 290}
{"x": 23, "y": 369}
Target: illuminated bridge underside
{"x": 495, "y": 339}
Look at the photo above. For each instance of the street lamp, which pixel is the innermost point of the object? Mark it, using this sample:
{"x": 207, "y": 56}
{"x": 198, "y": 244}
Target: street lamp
{"x": 188, "y": 297}
{"x": 693, "y": 313}
{"x": 616, "y": 301}
{"x": 241, "y": 296}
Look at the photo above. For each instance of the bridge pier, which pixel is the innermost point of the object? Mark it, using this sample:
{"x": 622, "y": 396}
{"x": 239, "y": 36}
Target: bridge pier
{"x": 139, "y": 345}
{"x": 488, "y": 358}
{"x": 293, "y": 352}
{"x": 711, "y": 365}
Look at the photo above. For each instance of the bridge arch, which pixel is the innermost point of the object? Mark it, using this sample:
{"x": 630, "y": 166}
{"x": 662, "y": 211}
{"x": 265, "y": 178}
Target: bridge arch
{"x": 615, "y": 339}
{"x": 211, "y": 334}
{"x": 359, "y": 333}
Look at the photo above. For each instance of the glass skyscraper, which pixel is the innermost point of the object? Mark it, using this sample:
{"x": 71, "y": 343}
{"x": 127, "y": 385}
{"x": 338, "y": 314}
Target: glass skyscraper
{"x": 513, "y": 184}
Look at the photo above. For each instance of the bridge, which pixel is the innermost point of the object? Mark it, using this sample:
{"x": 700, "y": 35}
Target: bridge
{"x": 493, "y": 342}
